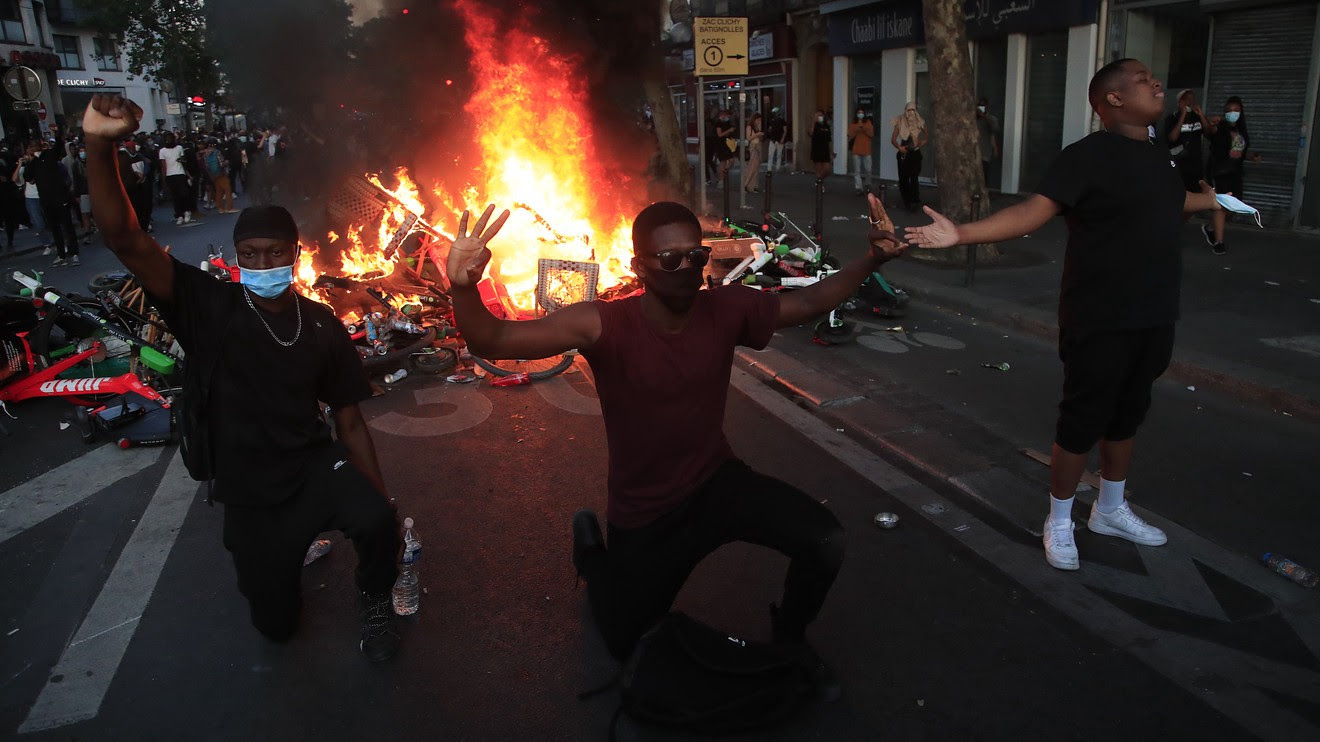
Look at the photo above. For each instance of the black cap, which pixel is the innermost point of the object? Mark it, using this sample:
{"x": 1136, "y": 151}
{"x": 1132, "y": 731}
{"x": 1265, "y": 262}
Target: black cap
{"x": 265, "y": 222}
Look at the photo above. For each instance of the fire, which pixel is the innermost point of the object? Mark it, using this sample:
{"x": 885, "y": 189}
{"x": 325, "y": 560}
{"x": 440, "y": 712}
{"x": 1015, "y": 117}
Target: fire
{"x": 538, "y": 158}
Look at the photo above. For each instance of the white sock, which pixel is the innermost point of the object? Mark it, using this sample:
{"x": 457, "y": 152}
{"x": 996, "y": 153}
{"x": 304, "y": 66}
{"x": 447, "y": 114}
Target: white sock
{"x": 1111, "y": 495}
{"x": 1060, "y": 510}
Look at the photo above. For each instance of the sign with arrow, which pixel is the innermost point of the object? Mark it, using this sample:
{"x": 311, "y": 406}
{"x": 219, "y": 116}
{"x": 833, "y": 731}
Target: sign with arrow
{"x": 720, "y": 45}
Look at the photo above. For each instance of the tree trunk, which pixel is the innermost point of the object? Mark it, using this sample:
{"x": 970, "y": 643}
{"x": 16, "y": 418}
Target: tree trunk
{"x": 958, "y": 157}
{"x": 669, "y": 136}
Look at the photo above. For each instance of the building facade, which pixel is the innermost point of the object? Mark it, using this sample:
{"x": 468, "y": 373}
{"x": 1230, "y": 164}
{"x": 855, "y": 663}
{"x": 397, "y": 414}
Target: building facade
{"x": 1033, "y": 60}
{"x": 74, "y": 62}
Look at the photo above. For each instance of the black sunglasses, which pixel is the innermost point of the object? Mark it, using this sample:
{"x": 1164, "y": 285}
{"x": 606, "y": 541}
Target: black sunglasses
{"x": 672, "y": 260}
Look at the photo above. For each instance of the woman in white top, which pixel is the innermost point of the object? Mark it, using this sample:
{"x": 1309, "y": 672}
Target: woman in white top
{"x": 176, "y": 178}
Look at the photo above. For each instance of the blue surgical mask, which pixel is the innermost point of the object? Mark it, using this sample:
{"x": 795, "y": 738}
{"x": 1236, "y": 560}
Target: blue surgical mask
{"x": 268, "y": 283}
{"x": 1232, "y": 116}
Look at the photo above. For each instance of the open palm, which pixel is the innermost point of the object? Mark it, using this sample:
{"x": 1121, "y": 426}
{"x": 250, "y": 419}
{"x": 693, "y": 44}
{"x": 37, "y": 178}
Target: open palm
{"x": 941, "y": 232}
{"x": 469, "y": 255}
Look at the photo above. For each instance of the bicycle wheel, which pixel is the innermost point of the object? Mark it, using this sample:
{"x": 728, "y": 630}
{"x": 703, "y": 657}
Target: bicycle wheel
{"x": 540, "y": 368}
{"x": 60, "y": 333}
{"x": 109, "y": 281}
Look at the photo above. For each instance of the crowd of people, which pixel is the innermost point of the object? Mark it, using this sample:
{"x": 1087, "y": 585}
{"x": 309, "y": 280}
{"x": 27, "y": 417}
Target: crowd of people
{"x": 44, "y": 187}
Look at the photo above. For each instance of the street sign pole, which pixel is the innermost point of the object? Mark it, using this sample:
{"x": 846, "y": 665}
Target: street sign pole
{"x": 742, "y": 136}
{"x": 720, "y": 48}
{"x": 702, "y": 154}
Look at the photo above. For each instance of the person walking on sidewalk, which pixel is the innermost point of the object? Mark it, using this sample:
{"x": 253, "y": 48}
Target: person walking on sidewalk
{"x": 861, "y": 133}
{"x": 176, "y": 178}
{"x": 12, "y": 211}
{"x": 32, "y": 199}
{"x": 822, "y": 145}
{"x": 1230, "y": 147}
{"x": 908, "y": 137}
{"x": 281, "y": 477}
{"x": 777, "y": 134}
{"x": 662, "y": 362}
{"x": 54, "y": 191}
{"x": 1184, "y": 129}
{"x": 1124, "y": 204}
{"x": 752, "y": 165}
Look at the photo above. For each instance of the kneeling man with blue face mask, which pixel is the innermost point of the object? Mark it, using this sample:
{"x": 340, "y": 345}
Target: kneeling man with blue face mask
{"x": 262, "y": 360}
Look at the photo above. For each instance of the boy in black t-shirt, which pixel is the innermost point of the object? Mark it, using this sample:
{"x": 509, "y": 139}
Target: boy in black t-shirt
{"x": 1124, "y": 203}
{"x": 1184, "y": 129}
{"x": 273, "y": 358}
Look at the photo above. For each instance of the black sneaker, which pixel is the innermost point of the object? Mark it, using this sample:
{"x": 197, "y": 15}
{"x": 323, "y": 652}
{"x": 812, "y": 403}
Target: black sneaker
{"x": 1219, "y": 248}
{"x": 380, "y": 635}
{"x": 587, "y": 540}
{"x": 1208, "y": 232}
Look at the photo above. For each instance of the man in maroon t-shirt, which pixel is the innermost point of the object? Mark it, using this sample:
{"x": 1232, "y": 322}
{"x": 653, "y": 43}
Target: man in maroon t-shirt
{"x": 662, "y": 362}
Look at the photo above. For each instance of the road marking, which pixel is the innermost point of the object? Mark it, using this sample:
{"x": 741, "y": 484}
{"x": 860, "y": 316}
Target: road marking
{"x": 472, "y": 410}
{"x": 32, "y": 502}
{"x": 1228, "y": 679}
{"x": 1308, "y": 344}
{"x": 560, "y": 393}
{"x": 83, "y": 674}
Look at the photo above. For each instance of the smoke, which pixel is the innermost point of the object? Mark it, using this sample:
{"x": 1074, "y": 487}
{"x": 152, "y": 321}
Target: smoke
{"x": 399, "y": 82}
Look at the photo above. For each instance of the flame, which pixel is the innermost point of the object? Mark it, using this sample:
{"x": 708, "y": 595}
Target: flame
{"x": 538, "y": 158}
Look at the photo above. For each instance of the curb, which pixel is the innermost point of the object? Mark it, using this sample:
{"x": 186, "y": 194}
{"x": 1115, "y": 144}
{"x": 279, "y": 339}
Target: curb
{"x": 1187, "y": 366}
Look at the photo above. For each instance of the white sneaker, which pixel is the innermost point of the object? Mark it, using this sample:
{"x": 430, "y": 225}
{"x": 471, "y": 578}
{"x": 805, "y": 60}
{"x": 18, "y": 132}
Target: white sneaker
{"x": 1125, "y": 524}
{"x": 1060, "y": 549}
{"x": 178, "y": 220}
{"x": 74, "y": 260}
{"x": 187, "y": 217}
{"x": 48, "y": 252}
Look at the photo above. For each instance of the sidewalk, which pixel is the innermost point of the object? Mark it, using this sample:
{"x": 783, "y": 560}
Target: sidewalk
{"x": 1250, "y": 322}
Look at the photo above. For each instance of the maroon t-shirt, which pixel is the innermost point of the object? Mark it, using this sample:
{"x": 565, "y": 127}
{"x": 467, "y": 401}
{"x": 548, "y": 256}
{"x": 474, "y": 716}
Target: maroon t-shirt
{"x": 663, "y": 395}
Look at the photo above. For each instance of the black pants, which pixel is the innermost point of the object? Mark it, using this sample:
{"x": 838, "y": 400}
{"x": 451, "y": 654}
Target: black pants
{"x": 645, "y": 568}
{"x": 268, "y": 543}
{"x": 1107, "y": 378}
{"x": 909, "y": 168}
{"x": 181, "y": 193}
{"x": 60, "y": 223}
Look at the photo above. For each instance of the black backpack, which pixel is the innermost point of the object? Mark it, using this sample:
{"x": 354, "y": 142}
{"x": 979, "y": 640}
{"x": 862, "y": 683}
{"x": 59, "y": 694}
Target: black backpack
{"x": 686, "y": 675}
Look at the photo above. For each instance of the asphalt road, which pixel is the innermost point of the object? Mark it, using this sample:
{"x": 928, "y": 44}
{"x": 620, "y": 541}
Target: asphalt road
{"x": 122, "y": 620}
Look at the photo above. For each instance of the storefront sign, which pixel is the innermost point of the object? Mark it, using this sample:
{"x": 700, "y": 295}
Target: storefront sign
{"x": 761, "y": 47}
{"x": 876, "y": 28}
{"x": 866, "y": 97}
{"x": 72, "y": 82}
{"x": 174, "y": 109}
{"x": 34, "y": 59}
{"x": 991, "y": 18}
{"x": 897, "y": 24}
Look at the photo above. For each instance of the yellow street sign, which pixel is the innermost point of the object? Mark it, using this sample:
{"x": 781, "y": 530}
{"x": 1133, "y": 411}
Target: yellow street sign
{"x": 721, "y": 46}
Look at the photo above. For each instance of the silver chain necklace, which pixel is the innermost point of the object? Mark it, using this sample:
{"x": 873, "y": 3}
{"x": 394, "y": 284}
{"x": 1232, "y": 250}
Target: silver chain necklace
{"x": 297, "y": 308}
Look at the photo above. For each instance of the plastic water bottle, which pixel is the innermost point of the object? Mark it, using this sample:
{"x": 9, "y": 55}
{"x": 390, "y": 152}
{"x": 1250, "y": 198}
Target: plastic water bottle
{"x": 1290, "y": 569}
{"x": 407, "y": 591}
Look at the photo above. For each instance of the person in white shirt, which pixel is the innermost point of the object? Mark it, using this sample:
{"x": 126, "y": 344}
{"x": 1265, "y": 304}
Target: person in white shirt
{"x": 176, "y": 178}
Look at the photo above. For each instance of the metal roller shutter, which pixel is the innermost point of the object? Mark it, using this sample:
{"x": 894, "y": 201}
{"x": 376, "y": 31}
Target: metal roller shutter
{"x": 1263, "y": 56}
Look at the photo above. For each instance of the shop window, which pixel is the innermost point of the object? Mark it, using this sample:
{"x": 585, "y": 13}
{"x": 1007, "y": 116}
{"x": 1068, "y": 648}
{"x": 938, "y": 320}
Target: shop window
{"x": 107, "y": 54}
{"x": 69, "y": 52}
{"x": 11, "y": 22}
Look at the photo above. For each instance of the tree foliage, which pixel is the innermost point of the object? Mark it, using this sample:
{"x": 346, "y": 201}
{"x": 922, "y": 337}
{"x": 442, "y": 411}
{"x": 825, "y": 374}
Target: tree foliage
{"x": 163, "y": 39}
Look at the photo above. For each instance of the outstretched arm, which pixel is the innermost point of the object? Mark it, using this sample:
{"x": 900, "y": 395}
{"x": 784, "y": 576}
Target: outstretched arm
{"x": 576, "y": 326}
{"x": 1014, "y": 221}
{"x": 796, "y": 307}
{"x": 108, "y": 119}
{"x": 1203, "y": 201}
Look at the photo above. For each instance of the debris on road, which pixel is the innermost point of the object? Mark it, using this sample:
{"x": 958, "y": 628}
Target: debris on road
{"x": 886, "y": 520}
{"x": 933, "y": 508}
{"x": 1191, "y": 388}
{"x": 952, "y": 372}
{"x": 1290, "y": 569}
{"x": 463, "y": 378}
{"x": 961, "y": 528}
{"x": 1271, "y": 283}
{"x": 999, "y": 366}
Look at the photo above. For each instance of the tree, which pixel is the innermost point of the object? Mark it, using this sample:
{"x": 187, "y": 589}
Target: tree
{"x": 958, "y": 157}
{"x": 164, "y": 39}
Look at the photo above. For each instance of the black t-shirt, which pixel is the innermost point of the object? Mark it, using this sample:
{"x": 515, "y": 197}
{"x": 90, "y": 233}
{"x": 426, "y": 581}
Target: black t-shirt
{"x": 1123, "y": 201}
{"x": 776, "y": 130}
{"x": 263, "y": 407}
{"x": 1188, "y": 146}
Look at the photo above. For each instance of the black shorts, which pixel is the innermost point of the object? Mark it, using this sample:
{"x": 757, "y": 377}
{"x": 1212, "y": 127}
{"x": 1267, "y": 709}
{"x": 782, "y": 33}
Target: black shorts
{"x": 1107, "y": 378}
